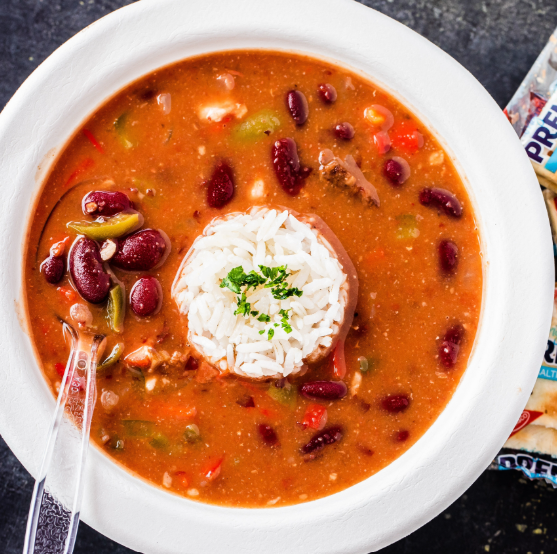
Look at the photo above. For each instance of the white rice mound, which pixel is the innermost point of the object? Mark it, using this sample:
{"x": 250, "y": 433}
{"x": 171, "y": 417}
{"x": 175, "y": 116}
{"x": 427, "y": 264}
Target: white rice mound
{"x": 272, "y": 238}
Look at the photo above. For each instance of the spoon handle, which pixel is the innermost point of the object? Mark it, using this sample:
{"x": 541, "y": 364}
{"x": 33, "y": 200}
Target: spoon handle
{"x": 54, "y": 513}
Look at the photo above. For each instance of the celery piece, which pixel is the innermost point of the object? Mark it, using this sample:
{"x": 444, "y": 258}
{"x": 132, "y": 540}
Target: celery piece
{"x": 259, "y": 125}
{"x": 285, "y": 395}
{"x": 109, "y": 227}
{"x": 115, "y": 308}
{"x": 407, "y": 227}
{"x": 192, "y": 433}
{"x": 112, "y": 358}
{"x": 139, "y": 428}
{"x": 159, "y": 441}
{"x": 123, "y": 133}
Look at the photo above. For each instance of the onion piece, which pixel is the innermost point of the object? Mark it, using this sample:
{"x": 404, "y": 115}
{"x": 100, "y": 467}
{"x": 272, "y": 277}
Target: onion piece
{"x": 382, "y": 141}
{"x": 419, "y": 138}
{"x": 379, "y": 116}
{"x": 82, "y": 315}
{"x": 228, "y": 80}
{"x": 164, "y": 101}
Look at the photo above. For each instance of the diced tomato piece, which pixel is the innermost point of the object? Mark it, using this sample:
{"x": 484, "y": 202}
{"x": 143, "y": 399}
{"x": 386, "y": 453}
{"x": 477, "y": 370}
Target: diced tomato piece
{"x": 82, "y": 167}
{"x": 67, "y": 293}
{"x": 339, "y": 362}
{"x": 375, "y": 256}
{"x": 406, "y": 137}
{"x": 181, "y": 479}
{"x": 60, "y": 369}
{"x": 78, "y": 382}
{"x": 271, "y": 414}
{"x": 93, "y": 140}
{"x": 212, "y": 469}
{"x": 221, "y": 125}
{"x": 315, "y": 417}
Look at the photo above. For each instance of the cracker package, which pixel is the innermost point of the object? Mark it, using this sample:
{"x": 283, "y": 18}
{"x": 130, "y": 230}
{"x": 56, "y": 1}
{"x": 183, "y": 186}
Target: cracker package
{"x": 532, "y": 111}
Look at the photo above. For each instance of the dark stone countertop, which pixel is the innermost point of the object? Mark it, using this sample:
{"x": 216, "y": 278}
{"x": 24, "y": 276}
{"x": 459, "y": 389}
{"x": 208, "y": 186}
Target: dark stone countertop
{"x": 497, "y": 40}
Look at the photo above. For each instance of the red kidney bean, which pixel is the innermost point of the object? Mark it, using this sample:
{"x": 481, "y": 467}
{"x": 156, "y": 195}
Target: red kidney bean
{"x": 324, "y": 390}
{"x": 86, "y": 269}
{"x": 327, "y": 93}
{"x": 448, "y": 256}
{"x": 402, "y": 435}
{"x": 220, "y": 187}
{"x": 344, "y": 131}
{"x": 140, "y": 251}
{"x": 246, "y": 402}
{"x": 53, "y": 269}
{"x": 297, "y": 105}
{"x": 329, "y": 435}
{"x": 267, "y": 434}
{"x": 365, "y": 450}
{"x": 146, "y": 297}
{"x": 395, "y": 403}
{"x": 455, "y": 334}
{"x": 450, "y": 346}
{"x": 442, "y": 199}
{"x": 147, "y": 94}
{"x": 396, "y": 170}
{"x": 286, "y": 163}
{"x": 104, "y": 202}
{"x": 363, "y": 405}
{"x": 192, "y": 364}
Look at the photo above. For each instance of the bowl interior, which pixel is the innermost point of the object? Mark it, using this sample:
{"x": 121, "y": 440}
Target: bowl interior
{"x": 516, "y": 244}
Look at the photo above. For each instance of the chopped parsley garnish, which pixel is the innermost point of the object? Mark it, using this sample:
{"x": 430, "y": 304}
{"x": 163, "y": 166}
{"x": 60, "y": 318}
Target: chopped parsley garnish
{"x": 284, "y": 320}
{"x": 243, "y": 306}
{"x": 270, "y": 334}
{"x": 273, "y": 278}
{"x": 282, "y": 292}
{"x": 236, "y": 279}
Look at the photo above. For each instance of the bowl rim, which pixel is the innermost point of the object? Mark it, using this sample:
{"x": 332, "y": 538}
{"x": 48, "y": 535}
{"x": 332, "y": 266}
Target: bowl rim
{"x": 518, "y": 276}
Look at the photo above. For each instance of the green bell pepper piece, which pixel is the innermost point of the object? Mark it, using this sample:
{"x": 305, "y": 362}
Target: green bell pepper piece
{"x": 116, "y": 309}
{"x": 112, "y": 358}
{"x": 159, "y": 441}
{"x": 139, "y": 428}
{"x": 124, "y": 136}
{"x": 110, "y": 227}
{"x": 257, "y": 126}
{"x": 286, "y": 395}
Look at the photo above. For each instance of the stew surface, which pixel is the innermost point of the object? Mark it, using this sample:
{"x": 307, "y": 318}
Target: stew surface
{"x": 167, "y": 414}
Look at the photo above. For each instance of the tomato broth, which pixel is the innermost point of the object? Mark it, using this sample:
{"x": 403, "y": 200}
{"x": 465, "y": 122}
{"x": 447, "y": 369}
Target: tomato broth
{"x": 201, "y": 139}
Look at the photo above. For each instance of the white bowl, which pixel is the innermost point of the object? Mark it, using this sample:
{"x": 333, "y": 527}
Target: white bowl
{"x": 518, "y": 268}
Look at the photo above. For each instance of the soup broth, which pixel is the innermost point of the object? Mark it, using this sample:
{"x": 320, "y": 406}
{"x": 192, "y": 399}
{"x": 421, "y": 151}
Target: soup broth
{"x": 168, "y": 413}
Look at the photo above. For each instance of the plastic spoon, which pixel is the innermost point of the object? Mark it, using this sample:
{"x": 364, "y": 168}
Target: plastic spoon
{"x": 55, "y": 506}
